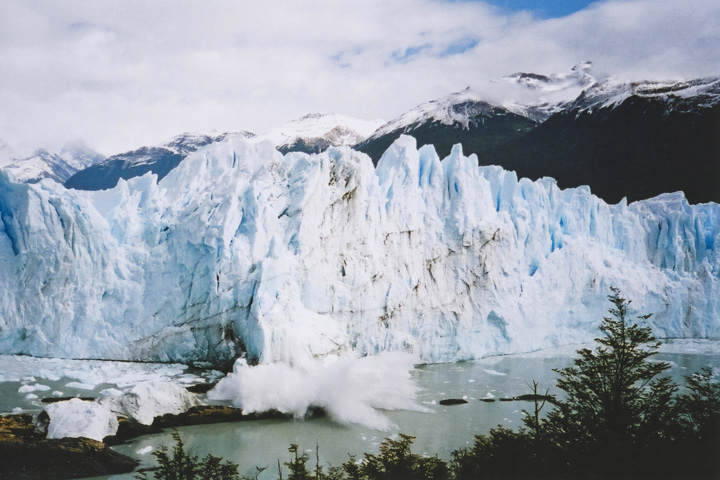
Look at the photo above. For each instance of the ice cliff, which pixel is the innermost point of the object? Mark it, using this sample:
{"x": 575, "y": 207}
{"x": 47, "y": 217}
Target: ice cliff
{"x": 243, "y": 251}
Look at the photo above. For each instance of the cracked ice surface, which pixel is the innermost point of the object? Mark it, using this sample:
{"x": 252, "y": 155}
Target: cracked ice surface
{"x": 243, "y": 251}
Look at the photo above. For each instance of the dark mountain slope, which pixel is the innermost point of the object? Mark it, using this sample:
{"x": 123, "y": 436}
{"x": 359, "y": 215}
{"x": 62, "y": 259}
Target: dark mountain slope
{"x": 638, "y": 148}
{"x": 482, "y": 129}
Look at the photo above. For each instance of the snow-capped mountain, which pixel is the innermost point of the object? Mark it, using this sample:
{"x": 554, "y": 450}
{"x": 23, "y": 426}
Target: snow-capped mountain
{"x": 633, "y": 140}
{"x": 625, "y": 140}
{"x": 678, "y": 96}
{"x": 158, "y": 159}
{"x": 459, "y": 118}
{"x": 542, "y": 95}
{"x": 312, "y": 133}
{"x": 483, "y": 122}
{"x": 578, "y": 77}
{"x": 241, "y": 251}
{"x": 72, "y": 158}
{"x": 316, "y": 132}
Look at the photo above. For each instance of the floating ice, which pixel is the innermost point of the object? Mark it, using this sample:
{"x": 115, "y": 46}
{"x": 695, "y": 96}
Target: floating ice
{"x": 81, "y": 386}
{"x": 33, "y": 388}
{"x": 145, "y": 450}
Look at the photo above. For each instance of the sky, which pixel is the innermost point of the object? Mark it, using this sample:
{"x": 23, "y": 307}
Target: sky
{"x": 123, "y": 74}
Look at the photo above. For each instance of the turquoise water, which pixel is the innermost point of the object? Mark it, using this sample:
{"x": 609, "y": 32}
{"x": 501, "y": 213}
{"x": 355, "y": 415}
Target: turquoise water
{"x": 438, "y": 429}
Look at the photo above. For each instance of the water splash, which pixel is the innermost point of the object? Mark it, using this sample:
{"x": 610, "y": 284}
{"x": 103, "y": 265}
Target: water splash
{"x": 350, "y": 390}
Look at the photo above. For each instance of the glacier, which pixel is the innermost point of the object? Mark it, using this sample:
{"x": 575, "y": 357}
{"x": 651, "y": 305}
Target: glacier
{"x": 243, "y": 252}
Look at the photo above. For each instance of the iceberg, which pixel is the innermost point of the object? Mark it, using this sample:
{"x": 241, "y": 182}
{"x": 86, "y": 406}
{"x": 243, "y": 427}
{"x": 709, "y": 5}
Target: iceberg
{"x": 147, "y": 400}
{"x": 78, "y": 418}
{"x": 99, "y": 419}
{"x": 243, "y": 252}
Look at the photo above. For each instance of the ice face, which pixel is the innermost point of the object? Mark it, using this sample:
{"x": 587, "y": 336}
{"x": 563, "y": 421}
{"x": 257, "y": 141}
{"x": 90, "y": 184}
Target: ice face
{"x": 241, "y": 251}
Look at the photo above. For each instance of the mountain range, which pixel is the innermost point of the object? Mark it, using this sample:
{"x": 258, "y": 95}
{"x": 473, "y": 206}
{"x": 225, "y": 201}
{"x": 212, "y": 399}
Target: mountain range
{"x": 624, "y": 140}
{"x": 158, "y": 159}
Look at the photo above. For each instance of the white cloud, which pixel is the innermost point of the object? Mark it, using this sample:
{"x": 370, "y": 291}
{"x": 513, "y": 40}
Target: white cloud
{"x": 124, "y": 74}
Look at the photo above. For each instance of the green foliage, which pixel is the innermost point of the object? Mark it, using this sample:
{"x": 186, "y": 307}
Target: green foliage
{"x": 609, "y": 390}
{"x": 701, "y": 406}
{"x": 503, "y": 453}
{"x": 618, "y": 418}
{"x": 179, "y": 464}
{"x": 396, "y": 462}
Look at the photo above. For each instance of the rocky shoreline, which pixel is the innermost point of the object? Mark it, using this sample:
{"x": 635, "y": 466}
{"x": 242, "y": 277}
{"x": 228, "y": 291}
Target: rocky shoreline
{"x": 26, "y": 453}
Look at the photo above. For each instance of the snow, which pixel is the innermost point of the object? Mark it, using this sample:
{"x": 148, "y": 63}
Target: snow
{"x": 701, "y": 93}
{"x": 338, "y": 129}
{"x": 529, "y": 95}
{"x": 437, "y": 111}
{"x": 58, "y": 166}
{"x": 241, "y": 251}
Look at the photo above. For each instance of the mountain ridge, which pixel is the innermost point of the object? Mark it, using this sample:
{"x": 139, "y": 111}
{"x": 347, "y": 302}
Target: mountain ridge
{"x": 72, "y": 158}
{"x": 633, "y": 140}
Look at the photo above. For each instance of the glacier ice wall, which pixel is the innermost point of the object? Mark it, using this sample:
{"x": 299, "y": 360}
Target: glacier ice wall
{"x": 243, "y": 251}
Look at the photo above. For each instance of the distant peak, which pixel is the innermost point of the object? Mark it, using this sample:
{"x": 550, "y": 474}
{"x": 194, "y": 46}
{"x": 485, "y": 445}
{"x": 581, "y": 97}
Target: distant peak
{"x": 313, "y": 116}
{"x": 579, "y": 75}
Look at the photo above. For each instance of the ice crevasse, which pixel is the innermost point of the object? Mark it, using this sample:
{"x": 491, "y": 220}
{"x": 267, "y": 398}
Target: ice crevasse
{"x": 241, "y": 251}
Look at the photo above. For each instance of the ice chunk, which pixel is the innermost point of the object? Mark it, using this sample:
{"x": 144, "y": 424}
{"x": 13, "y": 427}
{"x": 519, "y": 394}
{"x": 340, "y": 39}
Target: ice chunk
{"x": 147, "y": 400}
{"x": 79, "y": 418}
{"x": 33, "y": 388}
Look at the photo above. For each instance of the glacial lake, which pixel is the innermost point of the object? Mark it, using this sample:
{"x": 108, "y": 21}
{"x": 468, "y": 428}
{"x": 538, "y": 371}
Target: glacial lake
{"x": 438, "y": 429}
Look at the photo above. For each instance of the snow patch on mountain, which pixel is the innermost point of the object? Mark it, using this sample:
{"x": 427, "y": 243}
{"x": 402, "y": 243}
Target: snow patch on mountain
{"x": 457, "y": 108}
{"x": 72, "y": 158}
{"x": 241, "y": 251}
{"x": 678, "y": 95}
{"x": 325, "y": 129}
{"x": 530, "y": 95}
{"x": 540, "y": 96}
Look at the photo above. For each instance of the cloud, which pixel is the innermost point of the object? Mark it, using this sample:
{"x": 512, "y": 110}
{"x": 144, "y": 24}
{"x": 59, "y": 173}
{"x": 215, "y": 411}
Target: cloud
{"x": 125, "y": 74}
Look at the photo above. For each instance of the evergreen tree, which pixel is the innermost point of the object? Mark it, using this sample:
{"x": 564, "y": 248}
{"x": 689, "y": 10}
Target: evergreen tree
{"x": 614, "y": 405}
{"x": 181, "y": 465}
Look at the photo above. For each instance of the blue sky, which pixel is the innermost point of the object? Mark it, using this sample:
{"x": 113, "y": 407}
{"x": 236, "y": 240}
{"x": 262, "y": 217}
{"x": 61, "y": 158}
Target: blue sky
{"x": 544, "y": 9}
{"x": 123, "y": 74}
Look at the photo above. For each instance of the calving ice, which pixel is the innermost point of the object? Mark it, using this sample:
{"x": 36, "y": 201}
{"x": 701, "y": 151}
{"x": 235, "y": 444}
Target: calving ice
{"x": 243, "y": 252}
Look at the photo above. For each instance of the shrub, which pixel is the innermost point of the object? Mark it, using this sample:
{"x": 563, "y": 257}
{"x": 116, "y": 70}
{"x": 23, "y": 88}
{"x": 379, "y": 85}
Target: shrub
{"x": 181, "y": 465}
